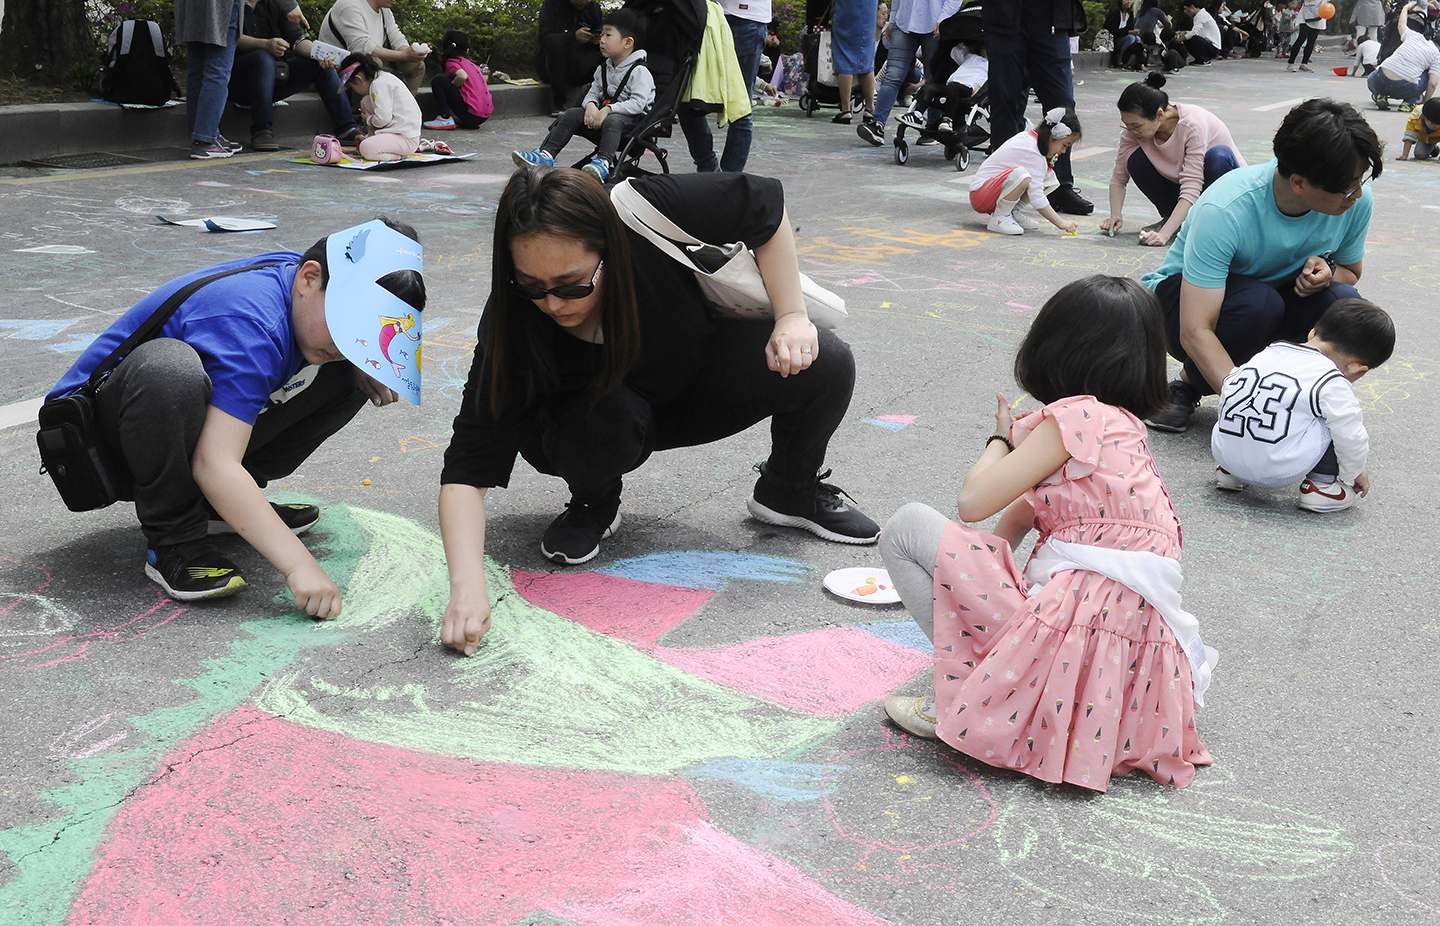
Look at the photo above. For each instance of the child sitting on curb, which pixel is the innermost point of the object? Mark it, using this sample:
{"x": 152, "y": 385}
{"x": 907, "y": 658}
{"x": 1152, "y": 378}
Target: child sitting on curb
{"x": 620, "y": 95}
{"x": 1290, "y": 411}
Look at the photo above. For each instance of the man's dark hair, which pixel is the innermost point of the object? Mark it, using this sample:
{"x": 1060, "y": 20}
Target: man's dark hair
{"x": 1324, "y": 141}
{"x": 1102, "y": 336}
{"x": 1359, "y": 328}
{"x": 629, "y": 23}
{"x": 407, "y": 285}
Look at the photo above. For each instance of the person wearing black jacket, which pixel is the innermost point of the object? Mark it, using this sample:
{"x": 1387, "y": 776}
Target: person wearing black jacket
{"x": 1028, "y": 44}
{"x": 569, "y": 47}
{"x": 1121, "y": 23}
{"x": 272, "y": 62}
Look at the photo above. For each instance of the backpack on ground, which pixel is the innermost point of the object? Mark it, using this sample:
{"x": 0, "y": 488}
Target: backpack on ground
{"x": 137, "y": 66}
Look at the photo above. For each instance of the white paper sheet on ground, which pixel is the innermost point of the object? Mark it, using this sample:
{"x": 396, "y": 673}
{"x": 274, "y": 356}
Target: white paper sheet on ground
{"x": 220, "y": 223}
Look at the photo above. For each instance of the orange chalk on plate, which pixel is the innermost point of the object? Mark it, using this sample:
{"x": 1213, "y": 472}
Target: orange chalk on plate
{"x": 364, "y": 482}
{"x": 867, "y": 589}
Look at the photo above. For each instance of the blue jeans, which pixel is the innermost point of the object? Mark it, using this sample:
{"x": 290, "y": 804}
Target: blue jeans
{"x": 749, "y": 46}
{"x": 1037, "y": 57}
{"x": 903, "y": 46}
{"x": 1164, "y": 192}
{"x": 252, "y": 81}
{"x": 1402, "y": 90}
{"x": 207, "y": 83}
{"x": 1121, "y": 44}
{"x": 1425, "y": 150}
{"x": 1253, "y": 316}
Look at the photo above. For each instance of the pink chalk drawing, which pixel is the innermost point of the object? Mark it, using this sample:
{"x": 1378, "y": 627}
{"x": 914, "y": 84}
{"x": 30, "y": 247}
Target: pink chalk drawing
{"x": 77, "y": 646}
{"x": 898, "y": 419}
{"x": 259, "y": 820}
{"x": 887, "y": 853}
{"x": 1413, "y": 872}
{"x": 634, "y": 611}
{"x": 831, "y": 672}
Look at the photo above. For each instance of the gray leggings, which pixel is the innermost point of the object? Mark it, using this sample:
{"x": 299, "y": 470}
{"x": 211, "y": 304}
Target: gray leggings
{"x": 909, "y": 544}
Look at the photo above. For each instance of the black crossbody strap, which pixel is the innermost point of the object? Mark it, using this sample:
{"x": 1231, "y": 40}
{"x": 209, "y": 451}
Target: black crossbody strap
{"x": 152, "y": 325}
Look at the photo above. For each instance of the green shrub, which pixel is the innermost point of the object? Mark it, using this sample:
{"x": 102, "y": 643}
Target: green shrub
{"x": 1094, "y": 22}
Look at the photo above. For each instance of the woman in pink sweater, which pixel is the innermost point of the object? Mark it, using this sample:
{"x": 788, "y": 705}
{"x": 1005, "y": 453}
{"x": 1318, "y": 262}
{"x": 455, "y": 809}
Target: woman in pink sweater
{"x": 1172, "y": 151}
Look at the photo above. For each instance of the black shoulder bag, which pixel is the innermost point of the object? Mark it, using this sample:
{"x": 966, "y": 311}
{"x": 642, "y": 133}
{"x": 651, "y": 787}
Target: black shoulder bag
{"x": 72, "y": 450}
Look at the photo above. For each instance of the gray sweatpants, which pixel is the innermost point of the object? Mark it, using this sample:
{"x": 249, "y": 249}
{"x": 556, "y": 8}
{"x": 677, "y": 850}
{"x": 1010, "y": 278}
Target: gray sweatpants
{"x": 909, "y": 544}
{"x": 151, "y": 410}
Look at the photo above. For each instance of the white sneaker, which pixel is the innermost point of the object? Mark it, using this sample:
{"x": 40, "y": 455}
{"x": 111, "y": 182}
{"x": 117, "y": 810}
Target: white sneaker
{"x": 1023, "y": 220}
{"x": 1004, "y": 223}
{"x": 1336, "y": 496}
{"x": 945, "y": 127}
{"x": 1224, "y": 480}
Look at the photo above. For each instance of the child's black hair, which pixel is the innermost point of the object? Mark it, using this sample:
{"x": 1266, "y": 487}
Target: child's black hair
{"x": 1144, "y": 97}
{"x": 407, "y": 285}
{"x": 1359, "y": 328}
{"x": 1042, "y": 131}
{"x": 1323, "y": 141}
{"x": 454, "y": 44}
{"x": 1430, "y": 112}
{"x": 368, "y": 66}
{"x": 1102, "y": 336}
{"x": 629, "y": 23}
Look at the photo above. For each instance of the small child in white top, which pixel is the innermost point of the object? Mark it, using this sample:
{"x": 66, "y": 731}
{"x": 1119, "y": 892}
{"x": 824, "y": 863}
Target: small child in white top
{"x": 392, "y": 117}
{"x": 1019, "y": 173}
{"x": 1290, "y": 411}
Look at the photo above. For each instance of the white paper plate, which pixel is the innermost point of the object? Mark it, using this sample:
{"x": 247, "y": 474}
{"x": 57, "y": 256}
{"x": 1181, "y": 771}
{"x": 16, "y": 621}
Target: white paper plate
{"x": 863, "y": 584}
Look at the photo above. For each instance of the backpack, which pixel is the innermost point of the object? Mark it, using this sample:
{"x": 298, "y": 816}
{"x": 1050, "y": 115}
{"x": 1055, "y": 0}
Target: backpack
{"x": 137, "y": 66}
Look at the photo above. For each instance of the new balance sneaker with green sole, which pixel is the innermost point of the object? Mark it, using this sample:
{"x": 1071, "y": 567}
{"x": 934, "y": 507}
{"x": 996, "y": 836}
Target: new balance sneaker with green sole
{"x": 574, "y": 537}
{"x": 298, "y": 518}
{"x": 819, "y": 510}
{"x": 193, "y": 571}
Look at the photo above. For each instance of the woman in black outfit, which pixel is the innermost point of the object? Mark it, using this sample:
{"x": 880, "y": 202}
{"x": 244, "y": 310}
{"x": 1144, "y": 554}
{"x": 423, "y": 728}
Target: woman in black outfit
{"x": 596, "y": 349}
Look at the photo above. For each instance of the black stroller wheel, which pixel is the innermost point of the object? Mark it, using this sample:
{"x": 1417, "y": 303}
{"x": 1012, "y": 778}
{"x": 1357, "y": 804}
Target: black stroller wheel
{"x": 902, "y": 151}
{"x": 807, "y": 103}
{"x": 962, "y": 159}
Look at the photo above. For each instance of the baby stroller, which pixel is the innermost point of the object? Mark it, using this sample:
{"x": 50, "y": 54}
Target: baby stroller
{"x": 675, "y": 29}
{"x": 821, "y": 87}
{"x": 967, "y": 118}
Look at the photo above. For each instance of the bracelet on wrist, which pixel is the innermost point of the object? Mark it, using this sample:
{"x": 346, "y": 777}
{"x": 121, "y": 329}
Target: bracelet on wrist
{"x": 994, "y": 437}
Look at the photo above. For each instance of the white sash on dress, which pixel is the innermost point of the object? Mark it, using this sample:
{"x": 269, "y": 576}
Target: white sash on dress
{"x": 1154, "y": 578}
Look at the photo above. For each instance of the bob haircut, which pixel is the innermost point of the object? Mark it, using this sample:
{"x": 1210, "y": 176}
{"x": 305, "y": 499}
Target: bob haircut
{"x": 1323, "y": 140}
{"x": 567, "y": 203}
{"x": 1102, "y": 336}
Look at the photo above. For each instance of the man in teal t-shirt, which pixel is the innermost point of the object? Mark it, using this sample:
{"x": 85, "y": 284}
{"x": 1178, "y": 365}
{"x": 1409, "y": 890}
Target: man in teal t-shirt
{"x": 1266, "y": 250}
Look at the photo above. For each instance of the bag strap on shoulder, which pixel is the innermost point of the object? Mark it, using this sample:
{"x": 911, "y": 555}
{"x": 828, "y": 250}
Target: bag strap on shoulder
{"x": 152, "y": 325}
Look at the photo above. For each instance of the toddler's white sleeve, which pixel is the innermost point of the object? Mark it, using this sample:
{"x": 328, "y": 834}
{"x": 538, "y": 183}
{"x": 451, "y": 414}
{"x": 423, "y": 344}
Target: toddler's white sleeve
{"x": 1341, "y": 411}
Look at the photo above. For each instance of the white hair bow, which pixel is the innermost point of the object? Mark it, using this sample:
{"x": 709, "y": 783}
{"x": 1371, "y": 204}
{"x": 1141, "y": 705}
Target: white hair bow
{"x": 1055, "y": 119}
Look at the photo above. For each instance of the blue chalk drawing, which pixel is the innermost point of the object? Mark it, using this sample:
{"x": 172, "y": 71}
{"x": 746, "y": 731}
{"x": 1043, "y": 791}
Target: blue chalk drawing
{"x": 706, "y": 568}
{"x": 72, "y": 347}
{"x": 35, "y": 329}
{"x": 902, "y": 633}
{"x": 775, "y": 779}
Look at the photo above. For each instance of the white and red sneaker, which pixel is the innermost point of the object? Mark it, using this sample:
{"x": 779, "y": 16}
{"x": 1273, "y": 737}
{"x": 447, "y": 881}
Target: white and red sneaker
{"x": 1226, "y": 480}
{"x": 1336, "y": 496}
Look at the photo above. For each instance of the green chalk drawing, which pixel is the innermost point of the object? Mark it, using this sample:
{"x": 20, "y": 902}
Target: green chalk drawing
{"x": 608, "y": 705}
{"x": 1136, "y": 833}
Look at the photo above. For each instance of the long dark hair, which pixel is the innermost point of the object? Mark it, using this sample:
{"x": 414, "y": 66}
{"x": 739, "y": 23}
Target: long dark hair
{"x": 568, "y": 203}
{"x": 1102, "y": 336}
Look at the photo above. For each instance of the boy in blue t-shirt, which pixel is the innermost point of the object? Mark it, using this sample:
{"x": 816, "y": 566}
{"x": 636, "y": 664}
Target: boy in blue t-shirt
{"x": 1266, "y": 250}
{"x": 240, "y": 385}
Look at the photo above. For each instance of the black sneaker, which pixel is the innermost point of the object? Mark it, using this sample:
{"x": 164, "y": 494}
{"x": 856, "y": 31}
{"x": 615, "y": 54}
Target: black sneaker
{"x": 574, "y": 537}
{"x": 298, "y": 518}
{"x": 1066, "y": 200}
{"x": 871, "y": 131}
{"x": 233, "y": 146}
{"x": 347, "y": 135}
{"x": 263, "y": 140}
{"x": 192, "y": 571}
{"x": 818, "y": 510}
{"x": 1176, "y": 416}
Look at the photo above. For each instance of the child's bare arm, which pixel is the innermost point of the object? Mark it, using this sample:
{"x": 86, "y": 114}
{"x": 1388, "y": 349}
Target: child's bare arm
{"x": 1063, "y": 224}
{"x": 1404, "y": 154}
{"x": 232, "y": 491}
{"x": 1015, "y": 523}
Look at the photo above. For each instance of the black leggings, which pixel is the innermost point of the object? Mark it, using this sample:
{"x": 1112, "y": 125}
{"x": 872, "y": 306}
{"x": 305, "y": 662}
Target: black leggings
{"x": 449, "y": 102}
{"x": 1307, "y": 37}
{"x": 592, "y": 447}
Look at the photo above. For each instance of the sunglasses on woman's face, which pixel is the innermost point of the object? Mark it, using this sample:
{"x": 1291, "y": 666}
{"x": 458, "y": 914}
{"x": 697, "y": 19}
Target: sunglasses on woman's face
{"x": 564, "y": 291}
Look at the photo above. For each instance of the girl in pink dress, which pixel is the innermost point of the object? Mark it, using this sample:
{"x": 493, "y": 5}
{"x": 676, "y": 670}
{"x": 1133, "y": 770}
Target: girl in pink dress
{"x": 1084, "y": 666}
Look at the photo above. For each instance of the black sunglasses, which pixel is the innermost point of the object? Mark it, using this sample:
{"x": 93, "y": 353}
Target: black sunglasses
{"x": 564, "y": 291}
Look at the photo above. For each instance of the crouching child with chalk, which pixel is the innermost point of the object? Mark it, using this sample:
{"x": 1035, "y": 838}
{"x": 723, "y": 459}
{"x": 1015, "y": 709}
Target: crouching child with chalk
{"x": 258, "y": 362}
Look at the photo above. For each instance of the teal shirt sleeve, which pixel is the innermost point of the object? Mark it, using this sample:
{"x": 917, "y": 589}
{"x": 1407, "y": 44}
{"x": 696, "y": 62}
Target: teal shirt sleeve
{"x": 1212, "y": 241}
{"x": 1352, "y": 247}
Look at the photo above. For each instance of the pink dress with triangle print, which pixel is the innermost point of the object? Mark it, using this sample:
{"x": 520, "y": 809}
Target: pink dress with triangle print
{"x": 1082, "y": 680}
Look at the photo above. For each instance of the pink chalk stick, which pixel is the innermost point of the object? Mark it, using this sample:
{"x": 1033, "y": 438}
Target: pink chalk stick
{"x": 830, "y": 672}
{"x": 258, "y": 820}
{"x": 637, "y": 612}
{"x": 898, "y": 419}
